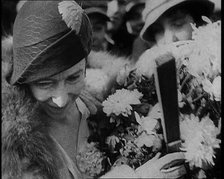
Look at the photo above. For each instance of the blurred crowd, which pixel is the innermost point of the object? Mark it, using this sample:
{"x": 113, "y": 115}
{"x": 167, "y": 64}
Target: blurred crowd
{"x": 117, "y": 24}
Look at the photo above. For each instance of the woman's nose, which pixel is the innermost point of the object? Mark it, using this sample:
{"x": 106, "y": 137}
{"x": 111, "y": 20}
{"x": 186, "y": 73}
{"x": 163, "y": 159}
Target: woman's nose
{"x": 169, "y": 36}
{"x": 60, "y": 97}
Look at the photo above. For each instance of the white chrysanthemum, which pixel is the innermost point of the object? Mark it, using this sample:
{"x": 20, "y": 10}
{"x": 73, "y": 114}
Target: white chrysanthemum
{"x": 206, "y": 57}
{"x": 199, "y": 140}
{"x": 145, "y": 139}
{"x": 155, "y": 112}
{"x": 121, "y": 101}
{"x": 109, "y": 64}
{"x": 214, "y": 88}
{"x": 207, "y": 86}
{"x": 146, "y": 63}
{"x": 96, "y": 82}
{"x": 147, "y": 123}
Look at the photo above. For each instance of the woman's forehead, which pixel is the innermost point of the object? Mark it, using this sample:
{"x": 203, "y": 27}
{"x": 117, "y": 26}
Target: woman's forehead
{"x": 171, "y": 17}
{"x": 80, "y": 66}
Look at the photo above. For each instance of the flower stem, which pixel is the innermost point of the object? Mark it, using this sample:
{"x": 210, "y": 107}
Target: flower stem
{"x": 185, "y": 80}
{"x": 196, "y": 99}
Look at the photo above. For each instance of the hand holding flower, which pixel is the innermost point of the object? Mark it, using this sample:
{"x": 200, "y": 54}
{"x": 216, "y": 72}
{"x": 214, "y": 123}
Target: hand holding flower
{"x": 168, "y": 166}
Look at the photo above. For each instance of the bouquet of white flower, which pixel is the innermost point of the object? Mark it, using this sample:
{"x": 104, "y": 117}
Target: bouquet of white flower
{"x": 136, "y": 114}
{"x": 133, "y": 131}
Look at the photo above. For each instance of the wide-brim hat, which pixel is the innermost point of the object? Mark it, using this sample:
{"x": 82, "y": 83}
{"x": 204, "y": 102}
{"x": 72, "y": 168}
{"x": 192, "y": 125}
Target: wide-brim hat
{"x": 155, "y": 8}
{"x": 48, "y": 38}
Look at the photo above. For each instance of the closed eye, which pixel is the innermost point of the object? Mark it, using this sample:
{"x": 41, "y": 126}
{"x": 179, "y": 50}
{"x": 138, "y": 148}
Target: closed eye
{"x": 44, "y": 84}
{"x": 72, "y": 78}
{"x": 178, "y": 23}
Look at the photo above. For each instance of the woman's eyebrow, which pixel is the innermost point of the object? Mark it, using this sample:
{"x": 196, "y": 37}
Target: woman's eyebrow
{"x": 77, "y": 72}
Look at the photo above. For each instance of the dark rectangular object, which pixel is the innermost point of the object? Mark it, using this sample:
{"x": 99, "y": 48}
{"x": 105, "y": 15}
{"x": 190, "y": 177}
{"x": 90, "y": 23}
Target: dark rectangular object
{"x": 166, "y": 87}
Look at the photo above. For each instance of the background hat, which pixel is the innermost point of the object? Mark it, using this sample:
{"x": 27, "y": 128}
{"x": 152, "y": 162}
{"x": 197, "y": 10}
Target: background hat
{"x": 155, "y": 8}
{"x": 133, "y": 3}
{"x": 48, "y": 38}
{"x": 95, "y": 7}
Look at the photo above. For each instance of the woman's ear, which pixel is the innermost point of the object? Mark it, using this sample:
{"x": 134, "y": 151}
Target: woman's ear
{"x": 7, "y": 48}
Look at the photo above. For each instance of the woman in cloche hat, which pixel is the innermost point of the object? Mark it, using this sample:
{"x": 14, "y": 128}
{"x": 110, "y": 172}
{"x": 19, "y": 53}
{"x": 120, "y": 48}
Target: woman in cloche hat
{"x": 41, "y": 95}
{"x": 44, "y": 109}
{"x": 168, "y": 21}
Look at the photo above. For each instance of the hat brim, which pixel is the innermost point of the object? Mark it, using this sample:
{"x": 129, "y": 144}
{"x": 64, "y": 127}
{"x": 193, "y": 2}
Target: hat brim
{"x": 159, "y": 11}
{"x": 133, "y": 4}
{"x": 57, "y": 57}
{"x": 94, "y": 10}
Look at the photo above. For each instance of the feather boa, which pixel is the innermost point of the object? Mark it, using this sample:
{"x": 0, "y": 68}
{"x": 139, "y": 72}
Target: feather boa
{"x": 102, "y": 71}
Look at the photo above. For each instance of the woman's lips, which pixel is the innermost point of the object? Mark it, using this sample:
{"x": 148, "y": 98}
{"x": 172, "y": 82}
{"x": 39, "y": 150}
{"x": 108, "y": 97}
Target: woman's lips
{"x": 55, "y": 109}
{"x": 52, "y": 108}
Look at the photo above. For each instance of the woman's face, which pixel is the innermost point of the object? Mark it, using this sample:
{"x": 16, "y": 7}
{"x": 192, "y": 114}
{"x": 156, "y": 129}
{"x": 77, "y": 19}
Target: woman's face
{"x": 57, "y": 93}
{"x": 116, "y": 11}
{"x": 99, "y": 26}
{"x": 172, "y": 28}
{"x": 135, "y": 22}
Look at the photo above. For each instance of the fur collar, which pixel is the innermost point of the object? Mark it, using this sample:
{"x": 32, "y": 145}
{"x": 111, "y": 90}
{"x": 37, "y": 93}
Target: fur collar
{"x": 27, "y": 149}
{"x": 26, "y": 146}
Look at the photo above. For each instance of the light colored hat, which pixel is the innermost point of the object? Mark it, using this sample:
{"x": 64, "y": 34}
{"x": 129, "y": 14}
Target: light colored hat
{"x": 155, "y": 8}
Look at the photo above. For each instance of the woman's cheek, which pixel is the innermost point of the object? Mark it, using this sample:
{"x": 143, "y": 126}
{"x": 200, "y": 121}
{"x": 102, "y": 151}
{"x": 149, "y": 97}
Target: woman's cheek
{"x": 76, "y": 88}
{"x": 185, "y": 33}
{"x": 40, "y": 95}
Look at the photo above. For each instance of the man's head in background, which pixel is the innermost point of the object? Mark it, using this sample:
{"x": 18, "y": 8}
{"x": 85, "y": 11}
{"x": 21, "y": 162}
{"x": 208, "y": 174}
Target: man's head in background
{"x": 96, "y": 11}
{"x": 168, "y": 21}
{"x": 116, "y": 11}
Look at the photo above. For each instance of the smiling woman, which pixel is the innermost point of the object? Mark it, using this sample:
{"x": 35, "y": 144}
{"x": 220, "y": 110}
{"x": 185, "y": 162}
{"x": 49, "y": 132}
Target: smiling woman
{"x": 44, "y": 115}
{"x": 66, "y": 84}
{"x": 45, "y": 105}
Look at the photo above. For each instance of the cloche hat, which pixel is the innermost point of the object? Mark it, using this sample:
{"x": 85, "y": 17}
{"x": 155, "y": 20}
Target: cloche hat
{"x": 96, "y": 7}
{"x": 155, "y": 8}
{"x": 132, "y": 4}
{"x": 48, "y": 38}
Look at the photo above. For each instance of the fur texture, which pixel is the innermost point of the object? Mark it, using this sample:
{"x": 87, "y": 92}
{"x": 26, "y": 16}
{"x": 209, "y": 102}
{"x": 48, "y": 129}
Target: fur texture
{"x": 110, "y": 64}
{"x": 27, "y": 149}
{"x": 26, "y": 145}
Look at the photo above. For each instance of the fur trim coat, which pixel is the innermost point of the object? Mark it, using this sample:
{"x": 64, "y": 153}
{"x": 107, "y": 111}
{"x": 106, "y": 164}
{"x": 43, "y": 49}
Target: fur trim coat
{"x": 27, "y": 149}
